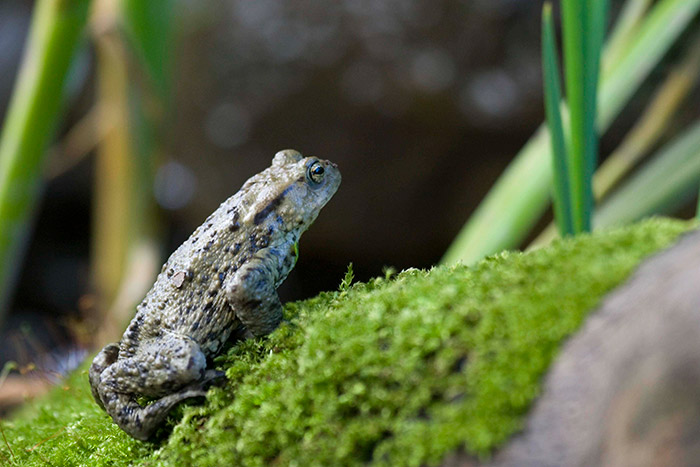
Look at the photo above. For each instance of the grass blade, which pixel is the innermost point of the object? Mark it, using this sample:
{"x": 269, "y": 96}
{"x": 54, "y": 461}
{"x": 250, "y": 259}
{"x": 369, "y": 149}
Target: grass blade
{"x": 575, "y": 52}
{"x": 662, "y": 26}
{"x": 594, "y": 34}
{"x": 654, "y": 121}
{"x": 552, "y": 94}
{"x": 29, "y": 125}
{"x": 630, "y": 17}
{"x": 583, "y": 26}
{"x": 663, "y": 184}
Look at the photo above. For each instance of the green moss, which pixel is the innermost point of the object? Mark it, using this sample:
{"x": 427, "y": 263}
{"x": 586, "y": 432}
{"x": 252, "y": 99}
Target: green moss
{"x": 399, "y": 371}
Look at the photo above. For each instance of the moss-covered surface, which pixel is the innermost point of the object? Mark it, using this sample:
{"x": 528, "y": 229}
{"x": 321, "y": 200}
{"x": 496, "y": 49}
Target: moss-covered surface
{"x": 399, "y": 371}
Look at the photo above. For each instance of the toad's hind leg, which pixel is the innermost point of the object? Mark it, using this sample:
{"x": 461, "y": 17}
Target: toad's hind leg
{"x": 107, "y": 356}
{"x": 173, "y": 370}
{"x": 140, "y": 422}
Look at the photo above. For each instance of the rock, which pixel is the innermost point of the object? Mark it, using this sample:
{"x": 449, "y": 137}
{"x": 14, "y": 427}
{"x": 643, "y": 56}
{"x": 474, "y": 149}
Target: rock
{"x": 625, "y": 390}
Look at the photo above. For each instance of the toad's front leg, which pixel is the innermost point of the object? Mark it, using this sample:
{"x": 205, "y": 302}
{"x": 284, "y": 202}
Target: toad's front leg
{"x": 252, "y": 291}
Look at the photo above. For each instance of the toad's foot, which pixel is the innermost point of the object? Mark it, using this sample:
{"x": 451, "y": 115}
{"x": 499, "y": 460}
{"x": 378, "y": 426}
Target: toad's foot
{"x": 141, "y": 421}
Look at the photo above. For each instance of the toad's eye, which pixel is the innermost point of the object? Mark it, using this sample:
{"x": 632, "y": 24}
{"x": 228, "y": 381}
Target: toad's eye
{"x": 315, "y": 173}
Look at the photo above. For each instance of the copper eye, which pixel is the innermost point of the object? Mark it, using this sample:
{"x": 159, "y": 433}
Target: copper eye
{"x": 315, "y": 172}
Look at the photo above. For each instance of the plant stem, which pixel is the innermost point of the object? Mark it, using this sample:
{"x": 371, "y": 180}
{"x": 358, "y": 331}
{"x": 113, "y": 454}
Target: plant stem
{"x": 125, "y": 256}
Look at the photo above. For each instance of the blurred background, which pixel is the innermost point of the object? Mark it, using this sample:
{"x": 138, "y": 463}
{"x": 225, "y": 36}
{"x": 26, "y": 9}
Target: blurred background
{"x": 422, "y": 104}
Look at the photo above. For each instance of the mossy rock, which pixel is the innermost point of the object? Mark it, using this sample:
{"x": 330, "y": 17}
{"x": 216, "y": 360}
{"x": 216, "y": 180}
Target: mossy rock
{"x": 401, "y": 370}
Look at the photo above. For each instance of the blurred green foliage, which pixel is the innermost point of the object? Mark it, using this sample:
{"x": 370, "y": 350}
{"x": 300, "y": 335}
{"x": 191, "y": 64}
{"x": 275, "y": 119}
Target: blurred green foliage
{"x": 641, "y": 38}
{"x": 149, "y": 26}
{"x": 56, "y": 30}
{"x": 29, "y": 126}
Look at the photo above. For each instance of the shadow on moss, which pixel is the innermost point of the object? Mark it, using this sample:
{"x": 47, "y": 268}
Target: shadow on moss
{"x": 397, "y": 371}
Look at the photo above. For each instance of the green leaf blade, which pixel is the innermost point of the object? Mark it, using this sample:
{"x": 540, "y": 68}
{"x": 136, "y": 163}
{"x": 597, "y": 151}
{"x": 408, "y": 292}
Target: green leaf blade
{"x": 627, "y": 23}
{"x": 552, "y": 94}
{"x": 594, "y": 33}
{"x": 574, "y": 42}
{"x": 669, "y": 179}
{"x": 651, "y": 40}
